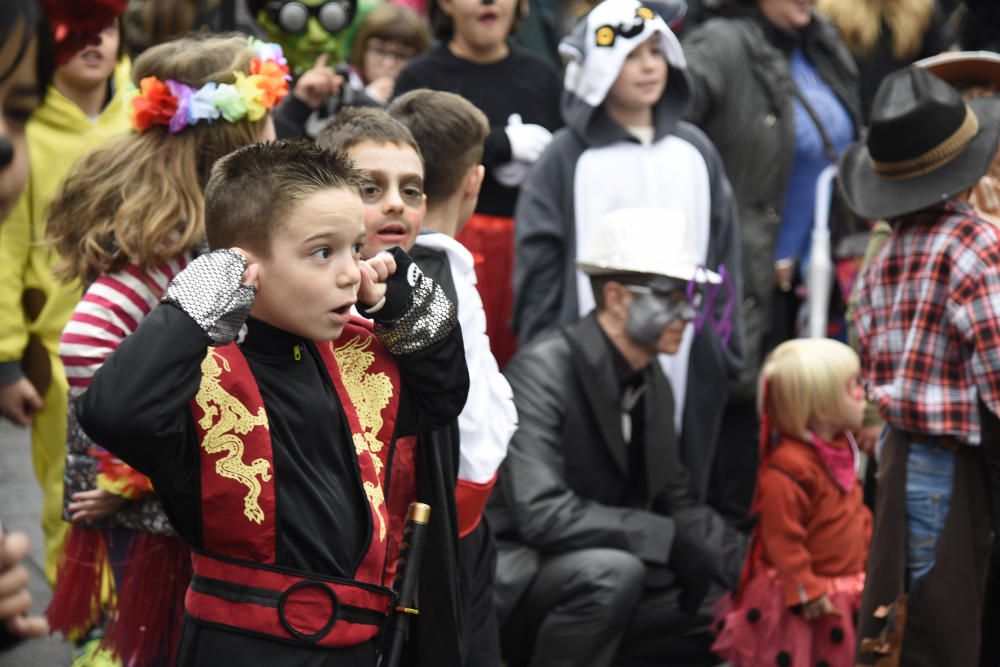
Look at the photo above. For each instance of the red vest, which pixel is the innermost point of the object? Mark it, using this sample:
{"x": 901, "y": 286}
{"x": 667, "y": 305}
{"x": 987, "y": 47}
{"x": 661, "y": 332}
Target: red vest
{"x": 236, "y": 582}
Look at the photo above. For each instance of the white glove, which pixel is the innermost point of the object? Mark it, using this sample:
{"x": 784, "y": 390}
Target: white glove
{"x": 526, "y": 141}
{"x": 511, "y": 174}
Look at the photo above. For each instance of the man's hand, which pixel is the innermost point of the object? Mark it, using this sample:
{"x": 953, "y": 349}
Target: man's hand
{"x": 317, "y": 84}
{"x": 374, "y": 273}
{"x": 19, "y": 401}
{"x": 93, "y": 505}
{"x": 15, "y": 601}
{"x": 821, "y": 606}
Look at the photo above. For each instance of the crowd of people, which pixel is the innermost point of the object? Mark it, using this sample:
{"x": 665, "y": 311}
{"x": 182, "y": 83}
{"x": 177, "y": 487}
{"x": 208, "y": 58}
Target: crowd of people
{"x": 681, "y": 318}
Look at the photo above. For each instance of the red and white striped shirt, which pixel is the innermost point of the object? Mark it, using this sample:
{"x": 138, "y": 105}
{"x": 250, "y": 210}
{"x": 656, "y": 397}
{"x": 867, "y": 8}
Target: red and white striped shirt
{"x": 111, "y": 309}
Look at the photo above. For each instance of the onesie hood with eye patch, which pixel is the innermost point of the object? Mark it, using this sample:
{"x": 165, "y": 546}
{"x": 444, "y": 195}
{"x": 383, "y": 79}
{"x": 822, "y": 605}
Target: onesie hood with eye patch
{"x": 595, "y": 52}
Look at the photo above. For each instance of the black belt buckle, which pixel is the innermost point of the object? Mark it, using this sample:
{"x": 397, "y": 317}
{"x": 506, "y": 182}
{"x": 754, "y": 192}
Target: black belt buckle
{"x": 334, "y": 613}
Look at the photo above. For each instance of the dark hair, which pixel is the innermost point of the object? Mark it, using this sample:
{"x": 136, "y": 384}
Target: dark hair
{"x": 355, "y": 125}
{"x": 252, "y": 190}
{"x": 147, "y": 24}
{"x": 393, "y": 23}
{"x": 598, "y": 282}
{"x": 28, "y": 16}
{"x": 979, "y": 28}
{"x": 444, "y": 28}
{"x": 450, "y": 131}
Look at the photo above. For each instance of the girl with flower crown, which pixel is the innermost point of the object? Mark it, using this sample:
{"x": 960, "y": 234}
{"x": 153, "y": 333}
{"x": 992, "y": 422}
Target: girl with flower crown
{"x": 802, "y": 581}
{"x": 128, "y": 218}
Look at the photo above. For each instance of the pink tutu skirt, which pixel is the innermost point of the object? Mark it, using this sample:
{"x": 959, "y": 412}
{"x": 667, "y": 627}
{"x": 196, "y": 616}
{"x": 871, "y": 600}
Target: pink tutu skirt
{"x": 761, "y": 631}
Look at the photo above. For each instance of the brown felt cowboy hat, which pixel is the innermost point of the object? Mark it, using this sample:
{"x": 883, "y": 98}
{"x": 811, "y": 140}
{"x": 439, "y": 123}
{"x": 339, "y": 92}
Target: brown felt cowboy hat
{"x": 924, "y": 145}
{"x": 965, "y": 68}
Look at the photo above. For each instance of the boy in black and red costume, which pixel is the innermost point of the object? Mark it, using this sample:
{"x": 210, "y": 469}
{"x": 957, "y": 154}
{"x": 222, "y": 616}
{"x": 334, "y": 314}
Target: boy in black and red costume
{"x": 274, "y": 455}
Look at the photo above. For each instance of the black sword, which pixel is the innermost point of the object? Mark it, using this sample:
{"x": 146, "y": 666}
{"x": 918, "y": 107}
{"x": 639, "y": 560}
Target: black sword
{"x": 407, "y": 574}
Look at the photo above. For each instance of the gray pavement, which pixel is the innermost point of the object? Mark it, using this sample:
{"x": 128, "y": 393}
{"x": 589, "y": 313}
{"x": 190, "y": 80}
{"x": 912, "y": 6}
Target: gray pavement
{"x": 20, "y": 505}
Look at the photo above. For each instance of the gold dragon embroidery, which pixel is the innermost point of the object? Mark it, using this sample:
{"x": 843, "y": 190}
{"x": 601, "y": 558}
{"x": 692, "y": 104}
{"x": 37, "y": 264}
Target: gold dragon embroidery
{"x": 234, "y": 419}
{"x": 370, "y": 394}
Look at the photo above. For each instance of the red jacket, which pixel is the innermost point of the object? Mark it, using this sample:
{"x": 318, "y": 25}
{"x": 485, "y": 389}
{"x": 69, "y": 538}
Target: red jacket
{"x": 810, "y": 528}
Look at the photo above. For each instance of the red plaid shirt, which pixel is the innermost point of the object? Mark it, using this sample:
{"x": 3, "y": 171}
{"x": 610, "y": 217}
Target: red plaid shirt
{"x": 928, "y": 319}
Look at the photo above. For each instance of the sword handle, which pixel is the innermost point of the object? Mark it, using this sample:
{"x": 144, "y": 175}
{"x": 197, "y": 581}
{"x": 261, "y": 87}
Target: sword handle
{"x": 407, "y": 574}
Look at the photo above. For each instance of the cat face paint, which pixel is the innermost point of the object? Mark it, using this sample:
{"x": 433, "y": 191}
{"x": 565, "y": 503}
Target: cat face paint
{"x": 653, "y": 309}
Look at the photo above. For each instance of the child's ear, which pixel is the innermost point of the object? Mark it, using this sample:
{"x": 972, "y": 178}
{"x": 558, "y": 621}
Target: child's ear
{"x": 474, "y": 181}
{"x": 250, "y": 255}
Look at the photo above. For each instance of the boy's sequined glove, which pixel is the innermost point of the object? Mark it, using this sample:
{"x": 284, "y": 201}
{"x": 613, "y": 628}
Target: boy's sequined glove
{"x": 210, "y": 290}
{"x": 415, "y": 312}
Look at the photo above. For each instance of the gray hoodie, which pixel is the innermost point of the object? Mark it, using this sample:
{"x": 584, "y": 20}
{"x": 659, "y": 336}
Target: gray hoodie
{"x": 594, "y": 166}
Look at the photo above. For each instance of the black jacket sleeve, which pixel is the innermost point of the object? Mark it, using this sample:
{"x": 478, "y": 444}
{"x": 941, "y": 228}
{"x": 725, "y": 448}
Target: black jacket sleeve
{"x": 496, "y": 148}
{"x": 419, "y": 324}
{"x": 290, "y": 118}
{"x": 541, "y": 243}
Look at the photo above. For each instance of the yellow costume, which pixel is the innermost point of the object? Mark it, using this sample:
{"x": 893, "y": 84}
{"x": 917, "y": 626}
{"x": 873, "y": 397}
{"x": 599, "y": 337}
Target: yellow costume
{"x": 34, "y": 305}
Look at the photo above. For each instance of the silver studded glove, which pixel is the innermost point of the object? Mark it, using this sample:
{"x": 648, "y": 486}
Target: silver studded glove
{"x": 416, "y": 312}
{"x": 210, "y": 290}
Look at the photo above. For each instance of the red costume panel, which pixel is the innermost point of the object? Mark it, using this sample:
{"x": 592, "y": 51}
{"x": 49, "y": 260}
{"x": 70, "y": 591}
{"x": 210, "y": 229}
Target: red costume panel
{"x": 236, "y": 582}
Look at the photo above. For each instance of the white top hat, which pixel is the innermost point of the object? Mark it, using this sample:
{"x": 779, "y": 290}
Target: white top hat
{"x": 645, "y": 240}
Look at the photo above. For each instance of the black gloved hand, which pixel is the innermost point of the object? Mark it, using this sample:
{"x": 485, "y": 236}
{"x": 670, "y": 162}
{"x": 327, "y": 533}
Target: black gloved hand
{"x": 415, "y": 312}
{"x": 398, "y": 289}
{"x": 693, "y": 574}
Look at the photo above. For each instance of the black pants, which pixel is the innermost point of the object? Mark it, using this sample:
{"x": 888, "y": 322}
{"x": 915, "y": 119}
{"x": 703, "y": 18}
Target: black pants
{"x": 592, "y": 608}
{"x": 478, "y": 554}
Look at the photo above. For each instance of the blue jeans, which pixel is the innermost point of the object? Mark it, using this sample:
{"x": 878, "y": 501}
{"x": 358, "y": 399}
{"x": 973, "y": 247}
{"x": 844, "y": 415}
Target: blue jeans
{"x": 930, "y": 471}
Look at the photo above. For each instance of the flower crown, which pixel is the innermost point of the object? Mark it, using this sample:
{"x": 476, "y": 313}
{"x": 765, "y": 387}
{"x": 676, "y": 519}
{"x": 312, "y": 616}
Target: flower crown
{"x": 177, "y": 105}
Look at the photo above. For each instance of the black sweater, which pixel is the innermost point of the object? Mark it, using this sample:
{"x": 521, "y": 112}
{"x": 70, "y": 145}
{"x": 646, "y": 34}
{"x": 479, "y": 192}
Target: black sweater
{"x": 522, "y": 83}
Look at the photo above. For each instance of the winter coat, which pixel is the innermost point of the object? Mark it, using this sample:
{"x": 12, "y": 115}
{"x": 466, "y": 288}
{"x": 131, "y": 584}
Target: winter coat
{"x": 741, "y": 98}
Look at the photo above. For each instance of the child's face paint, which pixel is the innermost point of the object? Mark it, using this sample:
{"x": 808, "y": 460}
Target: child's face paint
{"x": 853, "y": 408}
{"x": 19, "y": 97}
{"x": 393, "y": 194}
{"x": 310, "y": 280}
{"x": 642, "y": 79}
{"x": 848, "y": 415}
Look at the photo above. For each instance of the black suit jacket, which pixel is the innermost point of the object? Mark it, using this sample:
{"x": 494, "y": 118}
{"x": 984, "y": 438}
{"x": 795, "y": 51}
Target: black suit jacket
{"x": 565, "y": 483}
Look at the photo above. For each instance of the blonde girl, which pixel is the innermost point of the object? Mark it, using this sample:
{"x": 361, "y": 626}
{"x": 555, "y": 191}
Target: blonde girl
{"x": 129, "y": 217}
{"x": 804, "y": 575}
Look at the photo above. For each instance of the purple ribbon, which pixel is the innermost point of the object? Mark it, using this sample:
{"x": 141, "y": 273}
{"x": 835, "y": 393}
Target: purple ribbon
{"x": 723, "y": 327}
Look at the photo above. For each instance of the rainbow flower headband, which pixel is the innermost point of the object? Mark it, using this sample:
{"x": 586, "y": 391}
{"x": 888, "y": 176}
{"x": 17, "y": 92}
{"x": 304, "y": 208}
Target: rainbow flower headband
{"x": 177, "y": 105}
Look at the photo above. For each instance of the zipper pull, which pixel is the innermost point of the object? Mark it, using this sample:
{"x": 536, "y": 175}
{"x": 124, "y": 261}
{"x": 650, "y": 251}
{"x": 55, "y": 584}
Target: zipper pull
{"x": 297, "y": 353}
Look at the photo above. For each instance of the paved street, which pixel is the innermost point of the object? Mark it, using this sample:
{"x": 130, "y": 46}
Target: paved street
{"x": 20, "y": 503}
